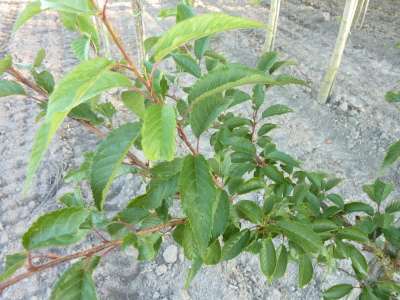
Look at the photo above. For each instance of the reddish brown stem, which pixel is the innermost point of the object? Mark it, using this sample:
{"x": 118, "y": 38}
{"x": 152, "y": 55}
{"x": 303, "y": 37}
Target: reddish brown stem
{"x": 100, "y": 235}
{"x": 127, "y": 225}
{"x": 183, "y": 137}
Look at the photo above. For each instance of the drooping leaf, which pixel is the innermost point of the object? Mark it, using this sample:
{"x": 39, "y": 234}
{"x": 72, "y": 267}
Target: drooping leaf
{"x": 354, "y": 234}
{"x": 73, "y": 199}
{"x": 332, "y": 182}
{"x": 221, "y": 214}
{"x": 13, "y": 263}
{"x": 213, "y": 254}
{"x": 76, "y": 282}
{"x": 194, "y": 268}
{"x": 283, "y": 157}
{"x": 83, "y": 111}
{"x": 258, "y": 96}
{"x": 267, "y": 60}
{"x": 187, "y": 63}
{"x": 235, "y": 245}
{"x": 267, "y": 128}
{"x": 205, "y": 112}
{"x": 214, "y": 55}
{"x": 337, "y": 291}
{"x": 306, "y": 271}
{"x": 285, "y": 79}
{"x": 251, "y": 211}
{"x": 302, "y": 235}
{"x": 45, "y": 79}
{"x": 81, "y": 47}
{"x": 358, "y": 207}
{"x": 31, "y": 10}
{"x": 5, "y": 63}
{"x": 69, "y": 20}
{"x": 383, "y": 220}
{"x": 196, "y": 28}
{"x": 251, "y": 185}
{"x": 57, "y": 228}
{"x": 198, "y": 194}
{"x": 75, "y": 6}
{"x": 167, "y": 12}
{"x": 275, "y": 110}
{"x": 8, "y": 88}
{"x": 274, "y": 174}
{"x": 280, "y": 64}
{"x": 239, "y": 144}
{"x": 391, "y": 157}
{"x": 225, "y": 77}
{"x": 107, "y": 159}
{"x": 320, "y": 226}
{"x": 134, "y": 101}
{"x": 85, "y": 81}
{"x": 282, "y": 261}
{"x": 150, "y": 42}
{"x": 337, "y": 200}
{"x": 131, "y": 216}
{"x": 393, "y": 206}
{"x": 268, "y": 261}
{"x": 358, "y": 261}
{"x": 159, "y": 132}
{"x": 300, "y": 191}
{"x": 389, "y": 285}
{"x": 39, "y": 58}
{"x": 184, "y": 12}
{"x": 201, "y": 45}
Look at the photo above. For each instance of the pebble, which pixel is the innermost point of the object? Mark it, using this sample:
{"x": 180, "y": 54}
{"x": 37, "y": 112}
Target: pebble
{"x": 161, "y": 270}
{"x": 32, "y": 204}
{"x": 353, "y": 102}
{"x": 171, "y": 254}
{"x": 342, "y": 107}
{"x": 233, "y": 287}
{"x": 326, "y": 16}
{"x": 3, "y": 238}
{"x": 292, "y": 288}
{"x": 335, "y": 99}
{"x": 156, "y": 295}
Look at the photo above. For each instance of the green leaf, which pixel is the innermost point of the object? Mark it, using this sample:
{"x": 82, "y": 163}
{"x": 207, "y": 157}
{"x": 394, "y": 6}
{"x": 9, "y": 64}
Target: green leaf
{"x": 275, "y": 110}
{"x": 81, "y": 47}
{"x": 221, "y": 215}
{"x": 206, "y": 111}
{"x": 57, "y": 228}
{"x": 13, "y": 263}
{"x": 194, "y": 268}
{"x": 315, "y": 179}
{"x": 280, "y": 64}
{"x": 267, "y": 60}
{"x": 150, "y": 42}
{"x": 76, "y": 282}
{"x": 267, "y": 128}
{"x": 187, "y": 63}
{"x": 303, "y": 236}
{"x": 225, "y": 77}
{"x": 250, "y": 210}
{"x": 306, "y": 271}
{"x": 358, "y": 207}
{"x": 235, "y": 245}
{"x": 196, "y": 28}
{"x": 392, "y": 235}
{"x": 354, "y": 234}
{"x": 393, "y": 206}
{"x": 45, "y": 79}
{"x": 274, "y": 174}
{"x": 332, "y": 182}
{"x": 337, "y": 291}
{"x": 392, "y": 97}
{"x": 85, "y": 81}
{"x": 241, "y": 145}
{"x": 337, "y": 200}
{"x": 69, "y": 20}
{"x": 39, "y": 58}
{"x": 201, "y": 45}
{"x": 300, "y": 191}
{"x": 31, "y": 9}
{"x": 198, "y": 194}
{"x": 84, "y": 111}
{"x": 5, "y": 63}
{"x": 106, "y": 109}
{"x": 8, "y": 88}
{"x": 320, "y": 226}
{"x": 282, "y": 261}
{"x": 167, "y": 12}
{"x": 359, "y": 262}
{"x": 147, "y": 244}
{"x": 73, "y": 199}
{"x": 258, "y": 96}
{"x": 251, "y": 185}
{"x": 159, "y": 132}
{"x": 283, "y": 157}
{"x": 285, "y": 79}
{"x": 391, "y": 157}
{"x": 107, "y": 159}
{"x": 389, "y": 285}
{"x": 268, "y": 261}
{"x": 132, "y": 216}
{"x": 83, "y": 172}
{"x": 214, "y": 55}
{"x": 76, "y": 6}
{"x": 134, "y": 101}
{"x": 213, "y": 254}
{"x": 383, "y": 220}
{"x": 382, "y": 190}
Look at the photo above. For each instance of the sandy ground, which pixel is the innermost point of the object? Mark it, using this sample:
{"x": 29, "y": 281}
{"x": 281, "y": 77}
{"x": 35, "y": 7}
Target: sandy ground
{"x": 357, "y": 121}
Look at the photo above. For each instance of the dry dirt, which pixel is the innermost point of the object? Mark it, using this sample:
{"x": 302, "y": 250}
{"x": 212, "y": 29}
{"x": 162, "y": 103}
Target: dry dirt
{"x": 357, "y": 121}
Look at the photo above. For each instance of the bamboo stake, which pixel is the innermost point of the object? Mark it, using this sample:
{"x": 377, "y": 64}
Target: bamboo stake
{"x": 272, "y": 25}
{"x": 137, "y": 9}
{"x": 357, "y": 14}
{"x": 365, "y": 12}
{"x": 334, "y": 64}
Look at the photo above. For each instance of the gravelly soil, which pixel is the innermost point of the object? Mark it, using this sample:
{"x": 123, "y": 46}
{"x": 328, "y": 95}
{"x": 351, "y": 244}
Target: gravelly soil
{"x": 357, "y": 121}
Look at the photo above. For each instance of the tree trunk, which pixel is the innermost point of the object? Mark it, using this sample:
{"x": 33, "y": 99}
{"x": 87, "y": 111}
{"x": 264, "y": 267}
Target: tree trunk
{"x": 334, "y": 64}
{"x": 357, "y": 14}
{"x": 140, "y": 34}
{"x": 272, "y": 25}
{"x": 365, "y": 12}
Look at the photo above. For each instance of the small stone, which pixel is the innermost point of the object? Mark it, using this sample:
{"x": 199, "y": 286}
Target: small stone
{"x": 353, "y": 113}
{"x": 354, "y": 103}
{"x": 383, "y": 136}
{"x": 292, "y": 288}
{"x": 171, "y": 254}
{"x": 156, "y": 295}
{"x": 181, "y": 257}
{"x": 326, "y": 16}
{"x": 334, "y": 99}
{"x": 233, "y": 287}
{"x": 3, "y": 238}
{"x": 233, "y": 282}
{"x": 32, "y": 204}
{"x": 161, "y": 270}
{"x": 342, "y": 107}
